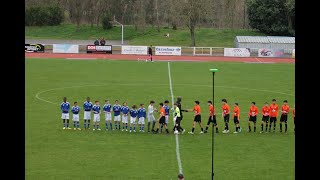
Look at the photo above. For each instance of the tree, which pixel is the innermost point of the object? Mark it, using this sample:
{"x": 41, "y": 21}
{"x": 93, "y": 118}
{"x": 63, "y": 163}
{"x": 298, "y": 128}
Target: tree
{"x": 192, "y": 10}
{"x": 272, "y": 17}
{"x": 76, "y": 8}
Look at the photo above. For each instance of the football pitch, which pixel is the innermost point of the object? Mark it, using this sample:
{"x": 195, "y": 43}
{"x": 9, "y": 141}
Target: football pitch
{"x": 54, "y": 153}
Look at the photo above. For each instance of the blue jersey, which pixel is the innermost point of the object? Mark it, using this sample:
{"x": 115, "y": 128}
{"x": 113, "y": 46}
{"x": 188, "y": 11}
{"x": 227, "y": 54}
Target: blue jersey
{"x": 75, "y": 109}
{"x": 107, "y": 107}
{"x": 125, "y": 109}
{"x": 96, "y": 109}
{"x": 116, "y": 109}
{"x": 65, "y": 107}
{"x": 142, "y": 113}
{"x": 87, "y": 106}
{"x": 166, "y": 109}
{"x": 133, "y": 113}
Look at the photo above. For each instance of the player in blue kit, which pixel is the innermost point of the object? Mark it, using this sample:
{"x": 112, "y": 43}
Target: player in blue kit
{"x": 116, "y": 108}
{"x": 87, "y": 106}
{"x": 107, "y": 110}
{"x": 96, "y": 116}
{"x": 65, "y": 107}
{"x": 133, "y": 118}
{"x": 125, "y": 112}
{"x": 75, "y": 116}
{"x": 141, "y": 117}
{"x": 167, "y": 110}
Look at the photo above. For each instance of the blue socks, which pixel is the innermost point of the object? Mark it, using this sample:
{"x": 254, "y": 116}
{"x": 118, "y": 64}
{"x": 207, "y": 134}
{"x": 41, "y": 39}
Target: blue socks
{"x": 88, "y": 123}
{"x": 134, "y": 127}
{"x": 85, "y": 124}
{"x": 110, "y": 125}
{"x": 78, "y": 124}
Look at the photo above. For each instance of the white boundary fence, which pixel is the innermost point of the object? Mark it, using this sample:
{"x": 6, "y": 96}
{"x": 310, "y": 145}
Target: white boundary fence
{"x": 164, "y": 50}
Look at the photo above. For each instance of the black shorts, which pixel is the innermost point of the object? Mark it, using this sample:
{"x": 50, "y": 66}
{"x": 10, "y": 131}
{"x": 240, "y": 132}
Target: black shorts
{"x": 273, "y": 119}
{"x": 265, "y": 119}
{"x": 213, "y": 120}
{"x": 162, "y": 120}
{"x": 284, "y": 118}
{"x": 178, "y": 120}
{"x": 236, "y": 120}
{"x": 253, "y": 118}
{"x": 197, "y": 118}
{"x": 226, "y": 118}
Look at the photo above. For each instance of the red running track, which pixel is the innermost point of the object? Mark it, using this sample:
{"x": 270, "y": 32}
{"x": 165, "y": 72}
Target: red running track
{"x": 161, "y": 58}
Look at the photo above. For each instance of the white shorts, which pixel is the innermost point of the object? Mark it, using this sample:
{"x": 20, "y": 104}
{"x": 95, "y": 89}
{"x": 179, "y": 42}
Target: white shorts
{"x": 141, "y": 120}
{"x": 87, "y": 115}
{"x": 65, "y": 116}
{"x": 167, "y": 119}
{"x": 151, "y": 118}
{"x": 75, "y": 117}
{"x": 124, "y": 119}
{"x": 96, "y": 117}
{"x": 133, "y": 120}
{"x": 108, "y": 116}
{"x": 117, "y": 118}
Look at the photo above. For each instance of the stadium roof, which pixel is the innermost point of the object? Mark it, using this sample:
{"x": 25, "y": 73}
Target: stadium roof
{"x": 252, "y": 39}
{"x": 265, "y": 39}
{"x": 281, "y": 39}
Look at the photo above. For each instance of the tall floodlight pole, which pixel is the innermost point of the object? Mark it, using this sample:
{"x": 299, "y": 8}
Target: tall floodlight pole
{"x": 114, "y": 19}
{"x": 212, "y": 142}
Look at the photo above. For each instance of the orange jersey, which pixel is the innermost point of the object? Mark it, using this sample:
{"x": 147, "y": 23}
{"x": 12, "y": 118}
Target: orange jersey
{"x": 274, "y": 110}
{"x": 294, "y": 112}
{"x": 236, "y": 111}
{"x": 285, "y": 109}
{"x": 265, "y": 111}
{"x": 162, "y": 112}
{"x": 211, "y": 110}
{"x": 225, "y": 109}
{"x": 197, "y": 109}
{"x": 253, "y": 111}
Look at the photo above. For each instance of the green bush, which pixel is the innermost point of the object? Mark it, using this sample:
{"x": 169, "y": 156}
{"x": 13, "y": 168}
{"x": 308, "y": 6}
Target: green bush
{"x": 271, "y": 16}
{"x": 43, "y": 16}
{"x": 106, "y": 24}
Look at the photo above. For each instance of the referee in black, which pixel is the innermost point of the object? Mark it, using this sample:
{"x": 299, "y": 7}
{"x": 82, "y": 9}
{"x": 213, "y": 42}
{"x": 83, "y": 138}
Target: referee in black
{"x": 150, "y": 52}
{"x": 181, "y": 110}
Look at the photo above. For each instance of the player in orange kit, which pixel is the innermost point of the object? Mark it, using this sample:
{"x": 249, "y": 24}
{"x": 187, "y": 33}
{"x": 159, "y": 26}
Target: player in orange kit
{"x": 253, "y": 112}
{"x": 285, "y": 109}
{"x": 294, "y": 117}
{"x": 197, "y": 117}
{"x": 265, "y": 116}
{"x": 212, "y": 118}
{"x": 225, "y": 115}
{"x": 236, "y": 117}
{"x": 162, "y": 119}
{"x": 273, "y": 114}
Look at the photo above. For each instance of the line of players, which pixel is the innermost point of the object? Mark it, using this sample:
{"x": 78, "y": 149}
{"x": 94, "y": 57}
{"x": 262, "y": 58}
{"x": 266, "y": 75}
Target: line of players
{"x": 268, "y": 113}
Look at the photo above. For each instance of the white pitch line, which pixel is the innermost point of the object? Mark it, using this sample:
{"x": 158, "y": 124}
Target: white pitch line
{"x": 177, "y": 138}
{"x": 143, "y": 83}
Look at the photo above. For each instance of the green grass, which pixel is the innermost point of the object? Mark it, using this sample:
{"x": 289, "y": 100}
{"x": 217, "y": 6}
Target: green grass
{"x": 181, "y": 37}
{"x": 53, "y": 153}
